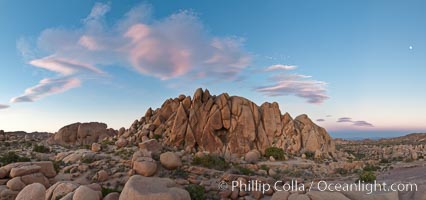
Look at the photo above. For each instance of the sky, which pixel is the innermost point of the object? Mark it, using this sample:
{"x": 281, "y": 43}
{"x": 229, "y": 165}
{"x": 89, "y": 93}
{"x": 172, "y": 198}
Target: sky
{"x": 356, "y": 68}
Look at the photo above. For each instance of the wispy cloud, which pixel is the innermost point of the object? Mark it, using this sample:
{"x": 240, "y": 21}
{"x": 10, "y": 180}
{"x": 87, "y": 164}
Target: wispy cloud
{"x": 362, "y": 123}
{"x": 280, "y": 67}
{"x": 354, "y": 123}
{"x": 3, "y": 106}
{"x": 320, "y": 120}
{"x": 174, "y": 47}
{"x": 47, "y": 87}
{"x": 64, "y": 66}
{"x": 295, "y": 84}
{"x": 344, "y": 119}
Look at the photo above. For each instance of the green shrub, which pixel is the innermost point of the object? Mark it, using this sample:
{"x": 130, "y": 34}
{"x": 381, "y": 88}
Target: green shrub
{"x": 212, "y": 162}
{"x": 369, "y": 167}
{"x": 106, "y": 191}
{"x": 245, "y": 171}
{"x": 341, "y": 171}
{"x": 87, "y": 160}
{"x": 310, "y": 155}
{"x": 264, "y": 167}
{"x": 40, "y": 149}
{"x": 107, "y": 142}
{"x": 125, "y": 154}
{"x": 196, "y": 192}
{"x": 57, "y": 165}
{"x": 275, "y": 152}
{"x": 179, "y": 173}
{"x": 12, "y": 157}
{"x": 367, "y": 177}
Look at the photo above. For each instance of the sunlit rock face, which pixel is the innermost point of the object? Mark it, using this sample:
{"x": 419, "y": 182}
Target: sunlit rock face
{"x": 229, "y": 125}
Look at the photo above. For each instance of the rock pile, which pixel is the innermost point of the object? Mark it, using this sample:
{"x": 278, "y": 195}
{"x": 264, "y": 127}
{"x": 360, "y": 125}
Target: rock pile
{"x": 227, "y": 125}
{"x": 18, "y": 176}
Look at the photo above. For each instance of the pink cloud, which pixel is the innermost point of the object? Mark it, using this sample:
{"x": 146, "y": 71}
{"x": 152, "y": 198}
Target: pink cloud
{"x": 47, "y": 87}
{"x": 172, "y": 47}
{"x": 299, "y": 85}
{"x": 280, "y": 67}
{"x": 64, "y": 66}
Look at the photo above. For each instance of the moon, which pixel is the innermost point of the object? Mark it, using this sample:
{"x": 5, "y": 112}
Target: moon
{"x": 410, "y": 47}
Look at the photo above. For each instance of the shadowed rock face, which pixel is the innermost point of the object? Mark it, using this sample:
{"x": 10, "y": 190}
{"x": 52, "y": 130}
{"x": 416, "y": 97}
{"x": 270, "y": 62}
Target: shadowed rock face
{"x": 231, "y": 124}
{"x": 81, "y": 133}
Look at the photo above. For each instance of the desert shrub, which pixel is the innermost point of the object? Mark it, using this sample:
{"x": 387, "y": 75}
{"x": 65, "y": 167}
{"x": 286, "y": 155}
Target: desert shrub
{"x": 310, "y": 155}
{"x": 341, "y": 171}
{"x": 210, "y": 161}
{"x": 40, "y": 149}
{"x": 367, "y": 176}
{"x": 264, "y": 167}
{"x": 245, "y": 171}
{"x": 125, "y": 153}
{"x": 179, "y": 173}
{"x": 106, "y": 191}
{"x": 87, "y": 160}
{"x": 107, "y": 142}
{"x": 57, "y": 165}
{"x": 12, "y": 157}
{"x": 275, "y": 152}
{"x": 196, "y": 191}
{"x": 384, "y": 161}
{"x": 369, "y": 167}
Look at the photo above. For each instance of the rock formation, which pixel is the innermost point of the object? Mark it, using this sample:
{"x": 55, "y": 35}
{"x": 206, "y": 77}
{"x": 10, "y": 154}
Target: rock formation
{"x": 81, "y": 134}
{"x": 228, "y": 125}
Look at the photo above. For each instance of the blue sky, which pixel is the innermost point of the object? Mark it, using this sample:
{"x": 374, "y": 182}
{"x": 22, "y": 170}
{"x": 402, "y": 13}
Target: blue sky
{"x": 357, "y": 67}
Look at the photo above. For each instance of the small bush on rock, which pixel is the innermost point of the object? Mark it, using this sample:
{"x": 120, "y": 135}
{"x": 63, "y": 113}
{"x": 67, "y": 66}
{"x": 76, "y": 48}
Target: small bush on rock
{"x": 275, "y": 152}
{"x": 179, "y": 173}
{"x": 12, "y": 157}
{"x": 245, "y": 171}
{"x": 367, "y": 176}
{"x": 310, "y": 155}
{"x": 213, "y": 162}
{"x": 40, "y": 149}
{"x": 196, "y": 192}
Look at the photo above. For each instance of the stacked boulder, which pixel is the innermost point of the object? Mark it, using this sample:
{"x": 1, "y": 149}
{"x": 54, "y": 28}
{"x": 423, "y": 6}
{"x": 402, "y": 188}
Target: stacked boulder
{"x": 16, "y": 176}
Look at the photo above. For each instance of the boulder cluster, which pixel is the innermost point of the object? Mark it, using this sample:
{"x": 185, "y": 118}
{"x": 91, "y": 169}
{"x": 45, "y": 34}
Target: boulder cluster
{"x": 17, "y": 176}
{"x": 228, "y": 125}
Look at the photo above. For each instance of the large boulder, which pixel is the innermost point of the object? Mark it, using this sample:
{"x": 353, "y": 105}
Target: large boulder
{"x": 24, "y": 170}
{"x": 35, "y": 191}
{"x": 145, "y": 167}
{"x": 150, "y": 188}
{"x": 81, "y": 134}
{"x": 60, "y": 189}
{"x": 170, "y": 160}
{"x": 229, "y": 125}
{"x": 252, "y": 156}
{"x": 15, "y": 184}
{"x": 85, "y": 193}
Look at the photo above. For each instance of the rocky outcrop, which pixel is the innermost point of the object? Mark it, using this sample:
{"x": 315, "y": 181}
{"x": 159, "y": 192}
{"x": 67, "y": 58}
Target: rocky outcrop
{"x": 81, "y": 134}
{"x": 228, "y": 125}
